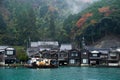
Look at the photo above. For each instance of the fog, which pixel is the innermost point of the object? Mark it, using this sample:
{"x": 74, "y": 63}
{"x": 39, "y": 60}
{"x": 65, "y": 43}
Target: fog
{"x": 76, "y": 6}
{"x": 73, "y": 6}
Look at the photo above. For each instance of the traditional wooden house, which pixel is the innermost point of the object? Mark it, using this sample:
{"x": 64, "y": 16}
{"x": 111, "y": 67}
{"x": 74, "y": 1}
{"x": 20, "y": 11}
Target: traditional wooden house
{"x": 42, "y": 46}
{"x": 63, "y": 58}
{"x": 51, "y": 55}
{"x": 94, "y": 57}
{"x": 104, "y": 57}
{"x": 118, "y": 51}
{"x": 10, "y": 55}
{"x": 2, "y": 57}
{"x": 84, "y": 57}
{"x": 113, "y": 57}
{"x": 2, "y": 54}
{"x": 32, "y": 51}
{"x": 63, "y": 54}
{"x": 74, "y": 57}
{"x": 37, "y": 55}
{"x": 54, "y": 54}
{"x": 2, "y": 61}
{"x": 7, "y": 55}
{"x": 45, "y": 54}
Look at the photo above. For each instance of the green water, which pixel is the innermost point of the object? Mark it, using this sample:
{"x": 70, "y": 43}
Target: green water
{"x": 62, "y": 73}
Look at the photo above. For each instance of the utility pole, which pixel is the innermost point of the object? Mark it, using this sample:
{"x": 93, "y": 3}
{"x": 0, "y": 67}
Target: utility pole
{"x": 29, "y": 42}
{"x": 83, "y": 43}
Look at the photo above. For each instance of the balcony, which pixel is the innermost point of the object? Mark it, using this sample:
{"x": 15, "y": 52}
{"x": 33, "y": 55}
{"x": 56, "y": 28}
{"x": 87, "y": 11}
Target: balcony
{"x": 103, "y": 57}
{"x": 95, "y": 58}
{"x": 113, "y": 64}
{"x": 113, "y": 55}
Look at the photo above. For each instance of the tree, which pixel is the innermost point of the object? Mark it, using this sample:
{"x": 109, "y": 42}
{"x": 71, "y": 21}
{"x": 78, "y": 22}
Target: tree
{"x": 2, "y": 25}
{"x": 22, "y": 57}
{"x": 52, "y": 27}
{"x": 26, "y": 26}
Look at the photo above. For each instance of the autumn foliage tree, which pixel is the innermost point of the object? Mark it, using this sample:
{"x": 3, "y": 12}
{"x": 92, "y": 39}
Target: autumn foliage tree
{"x": 105, "y": 10}
{"x": 83, "y": 19}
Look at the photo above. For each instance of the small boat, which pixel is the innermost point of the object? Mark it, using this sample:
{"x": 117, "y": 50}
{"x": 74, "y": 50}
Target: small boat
{"x": 42, "y": 63}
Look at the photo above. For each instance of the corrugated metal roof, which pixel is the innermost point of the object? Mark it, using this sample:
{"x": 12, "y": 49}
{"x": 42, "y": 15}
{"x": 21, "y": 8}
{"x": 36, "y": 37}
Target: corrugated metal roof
{"x": 48, "y": 43}
{"x": 34, "y": 44}
{"x": 42, "y": 49}
{"x": 42, "y": 43}
{"x": 65, "y": 47}
{"x": 2, "y": 50}
{"x": 3, "y": 47}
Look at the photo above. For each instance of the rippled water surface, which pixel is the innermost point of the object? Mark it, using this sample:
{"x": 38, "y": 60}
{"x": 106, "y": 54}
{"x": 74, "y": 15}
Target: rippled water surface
{"x": 62, "y": 73}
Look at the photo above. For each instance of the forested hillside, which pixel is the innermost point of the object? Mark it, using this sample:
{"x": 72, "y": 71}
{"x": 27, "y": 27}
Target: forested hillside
{"x": 21, "y": 20}
{"x": 25, "y": 20}
{"x": 99, "y": 20}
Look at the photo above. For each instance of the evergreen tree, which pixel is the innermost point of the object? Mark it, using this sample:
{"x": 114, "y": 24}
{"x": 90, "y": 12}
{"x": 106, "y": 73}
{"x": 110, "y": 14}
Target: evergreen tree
{"x": 52, "y": 27}
{"x": 2, "y": 25}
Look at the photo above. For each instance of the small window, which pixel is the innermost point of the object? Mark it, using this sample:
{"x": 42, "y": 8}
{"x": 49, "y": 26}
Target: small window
{"x": 72, "y": 54}
{"x": 72, "y": 61}
{"x": 95, "y": 55}
{"x": 85, "y": 61}
{"x": 9, "y": 52}
{"x": 76, "y": 54}
{"x": 84, "y": 53}
{"x": 113, "y": 54}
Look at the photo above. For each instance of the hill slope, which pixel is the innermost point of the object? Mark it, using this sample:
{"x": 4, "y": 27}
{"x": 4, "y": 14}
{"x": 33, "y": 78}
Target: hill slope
{"x": 107, "y": 42}
{"x": 99, "y": 20}
{"x": 24, "y": 20}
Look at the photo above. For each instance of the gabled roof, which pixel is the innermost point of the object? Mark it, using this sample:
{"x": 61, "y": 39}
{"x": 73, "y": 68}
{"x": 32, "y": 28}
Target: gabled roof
{"x": 100, "y": 50}
{"x": 95, "y": 52}
{"x": 32, "y": 51}
{"x": 2, "y": 48}
{"x": 10, "y": 48}
{"x": 118, "y": 49}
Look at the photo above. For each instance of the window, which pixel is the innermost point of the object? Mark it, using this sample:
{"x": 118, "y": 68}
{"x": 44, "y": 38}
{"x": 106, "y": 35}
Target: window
{"x": 72, "y": 61}
{"x": 113, "y": 54}
{"x": 85, "y": 61}
{"x": 76, "y": 54}
{"x": 9, "y": 52}
{"x": 84, "y": 53}
{"x": 93, "y": 62}
{"x": 72, "y": 54}
{"x": 95, "y": 55}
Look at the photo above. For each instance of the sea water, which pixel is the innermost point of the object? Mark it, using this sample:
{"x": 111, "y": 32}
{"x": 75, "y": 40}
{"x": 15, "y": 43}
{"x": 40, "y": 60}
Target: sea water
{"x": 61, "y": 73}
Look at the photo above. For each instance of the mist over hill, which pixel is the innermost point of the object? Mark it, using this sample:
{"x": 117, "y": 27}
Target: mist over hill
{"x": 95, "y": 22}
{"x": 21, "y": 20}
{"x": 63, "y": 20}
